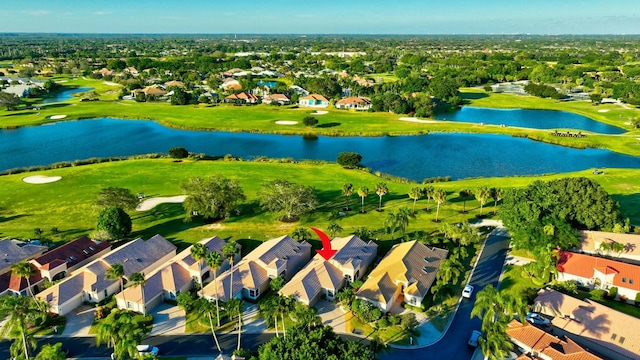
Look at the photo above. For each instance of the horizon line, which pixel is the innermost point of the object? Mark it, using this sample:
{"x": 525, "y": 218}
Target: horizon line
{"x": 319, "y": 34}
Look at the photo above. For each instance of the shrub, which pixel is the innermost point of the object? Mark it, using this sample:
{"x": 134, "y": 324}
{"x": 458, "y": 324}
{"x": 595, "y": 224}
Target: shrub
{"x": 394, "y": 320}
{"x": 637, "y": 300}
{"x": 383, "y": 323}
{"x": 310, "y": 121}
{"x": 613, "y": 292}
{"x": 597, "y": 295}
{"x": 178, "y": 153}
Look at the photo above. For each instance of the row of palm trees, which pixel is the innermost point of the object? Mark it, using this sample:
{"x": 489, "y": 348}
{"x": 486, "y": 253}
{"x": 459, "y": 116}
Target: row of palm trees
{"x": 439, "y": 195}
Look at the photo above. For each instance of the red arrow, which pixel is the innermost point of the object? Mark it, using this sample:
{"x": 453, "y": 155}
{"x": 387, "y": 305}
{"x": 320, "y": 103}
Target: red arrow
{"x": 327, "y": 252}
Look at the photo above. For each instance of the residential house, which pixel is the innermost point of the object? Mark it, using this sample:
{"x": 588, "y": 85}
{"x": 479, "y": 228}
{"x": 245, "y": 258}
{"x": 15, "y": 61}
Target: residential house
{"x": 314, "y": 101}
{"x": 591, "y": 243}
{"x": 174, "y": 83}
{"x": 354, "y": 102}
{"x": 281, "y": 99}
{"x": 603, "y": 330}
{"x": 231, "y": 84}
{"x": 281, "y": 256}
{"x": 152, "y": 90}
{"x": 299, "y": 90}
{"x": 167, "y": 282}
{"x": 241, "y": 98}
{"x": 404, "y": 274}
{"x": 538, "y": 344}
{"x": 323, "y": 278}
{"x": 599, "y": 273}
{"x": 90, "y": 284}
{"x": 14, "y": 251}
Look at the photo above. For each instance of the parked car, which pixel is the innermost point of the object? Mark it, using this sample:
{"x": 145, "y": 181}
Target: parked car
{"x": 473, "y": 340}
{"x": 467, "y": 291}
{"x": 147, "y": 349}
{"x": 537, "y": 319}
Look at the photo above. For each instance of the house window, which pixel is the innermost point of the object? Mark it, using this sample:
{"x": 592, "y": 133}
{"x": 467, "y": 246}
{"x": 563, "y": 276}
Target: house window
{"x": 128, "y": 305}
{"x": 412, "y": 301}
{"x": 254, "y": 293}
{"x": 630, "y": 281}
{"x": 330, "y": 293}
{"x": 105, "y": 292}
{"x": 621, "y": 341}
{"x": 613, "y": 336}
{"x": 624, "y": 279}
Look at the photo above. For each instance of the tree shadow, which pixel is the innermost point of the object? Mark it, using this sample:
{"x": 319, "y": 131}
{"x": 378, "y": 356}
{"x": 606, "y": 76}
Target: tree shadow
{"x": 328, "y": 125}
{"x": 12, "y": 217}
{"x": 473, "y": 96}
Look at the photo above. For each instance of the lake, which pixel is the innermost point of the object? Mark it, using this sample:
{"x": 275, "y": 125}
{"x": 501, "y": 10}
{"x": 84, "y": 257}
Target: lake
{"x": 532, "y": 119}
{"x": 414, "y": 157}
{"x": 65, "y": 95}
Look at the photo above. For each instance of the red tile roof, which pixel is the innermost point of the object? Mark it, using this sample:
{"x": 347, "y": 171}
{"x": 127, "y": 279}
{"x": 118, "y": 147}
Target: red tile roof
{"x": 315, "y": 97}
{"x": 242, "y": 96}
{"x": 352, "y": 100}
{"x": 72, "y": 253}
{"x": 17, "y": 283}
{"x": 585, "y": 265}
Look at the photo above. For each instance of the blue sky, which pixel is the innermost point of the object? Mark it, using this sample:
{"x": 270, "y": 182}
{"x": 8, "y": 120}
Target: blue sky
{"x": 323, "y": 17}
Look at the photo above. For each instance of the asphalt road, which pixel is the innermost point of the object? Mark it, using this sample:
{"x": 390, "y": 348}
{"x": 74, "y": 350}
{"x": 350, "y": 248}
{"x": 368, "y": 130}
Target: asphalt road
{"x": 453, "y": 345}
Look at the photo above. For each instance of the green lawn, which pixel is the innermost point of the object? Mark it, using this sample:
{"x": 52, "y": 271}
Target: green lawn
{"x": 262, "y": 118}
{"x": 67, "y": 204}
{"x": 514, "y": 283}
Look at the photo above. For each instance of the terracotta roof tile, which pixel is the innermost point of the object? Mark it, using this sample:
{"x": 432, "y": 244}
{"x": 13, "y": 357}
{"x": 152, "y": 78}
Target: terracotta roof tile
{"x": 626, "y": 275}
{"x": 72, "y": 253}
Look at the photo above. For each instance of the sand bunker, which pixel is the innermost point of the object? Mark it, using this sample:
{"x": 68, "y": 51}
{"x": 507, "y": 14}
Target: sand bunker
{"x": 286, "y": 122}
{"x": 152, "y": 202}
{"x": 110, "y": 83}
{"x": 412, "y": 119}
{"x": 319, "y": 112}
{"x": 41, "y": 179}
{"x": 57, "y": 117}
{"x": 603, "y": 110}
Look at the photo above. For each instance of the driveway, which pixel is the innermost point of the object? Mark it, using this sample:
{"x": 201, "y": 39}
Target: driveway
{"x": 79, "y": 321}
{"x": 168, "y": 320}
{"x": 332, "y": 315}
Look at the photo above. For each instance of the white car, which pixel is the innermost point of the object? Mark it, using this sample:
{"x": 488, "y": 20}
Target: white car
{"x": 467, "y": 291}
{"x": 147, "y": 349}
{"x": 537, "y": 319}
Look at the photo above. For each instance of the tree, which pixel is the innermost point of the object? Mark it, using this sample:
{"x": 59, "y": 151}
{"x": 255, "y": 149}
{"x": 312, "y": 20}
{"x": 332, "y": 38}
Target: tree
{"x": 114, "y": 221}
{"x": 347, "y": 191}
{"x": 428, "y": 193}
{"x": 229, "y": 251}
{"x": 496, "y": 194}
{"x": 349, "y": 159}
{"x": 10, "y": 101}
{"x": 116, "y": 272}
{"x": 277, "y": 283}
{"x": 116, "y": 197}
{"x": 465, "y": 194}
{"x": 302, "y": 344}
{"x": 494, "y": 342}
{"x": 178, "y": 153}
{"x": 310, "y": 121}
{"x": 363, "y": 192}
{"x": 440, "y": 197}
{"x": 381, "y": 190}
{"x": 213, "y": 197}
{"x": 198, "y": 253}
{"x": 301, "y": 233}
{"x": 180, "y": 97}
{"x": 214, "y": 261}
{"x": 334, "y": 229}
{"x": 596, "y": 99}
{"x": 234, "y": 308}
{"x": 398, "y": 219}
{"x": 18, "y": 312}
{"x": 25, "y": 271}
{"x": 121, "y": 331}
{"x": 288, "y": 200}
{"x": 51, "y": 352}
{"x": 492, "y": 306}
{"x": 415, "y": 193}
{"x": 482, "y": 194}
{"x": 137, "y": 279}
{"x": 205, "y": 307}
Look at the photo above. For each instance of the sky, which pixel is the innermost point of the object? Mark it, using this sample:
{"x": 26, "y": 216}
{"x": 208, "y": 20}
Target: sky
{"x": 322, "y": 17}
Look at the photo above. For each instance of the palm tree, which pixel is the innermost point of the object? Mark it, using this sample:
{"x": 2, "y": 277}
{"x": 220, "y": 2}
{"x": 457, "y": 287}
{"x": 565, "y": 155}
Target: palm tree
{"x": 17, "y": 312}
{"x": 428, "y": 193}
{"x": 495, "y": 343}
{"x": 205, "y": 307}
{"x": 347, "y": 191}
{"x": 116, "y": 272}
{"x": 121, "y": 331}
{"x": 450, "y": 271}
{"x": 482, "y": 195}
{"x": 497, "y": 194}
{"x": 138, "y": 279}
{"x": 334, "y": 229}
{"x": 363, "y": 192}
{"x": 51, "y": 352}
{"x": 234, "y": 306}
{"x": 283, "y": 305}
{"x": 398, "y": 219}
{"x": 198, "y": 252}
{"x": 415, "y": 193}
{"x": 381, "y": 190}
{"x": 268, "y": 311}
{"x": 492, "y": 306}
{"x": 214, "y": 260}
{"x": 465, "y": 194}
{"x": 229, "y": 251}
{"x": 301, "y": 233}
{"x": 24, "y": 270}
{"x": 440, "y": 197}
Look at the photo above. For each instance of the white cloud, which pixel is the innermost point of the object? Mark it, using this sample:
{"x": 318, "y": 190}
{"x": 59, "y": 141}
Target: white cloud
{"x": 38, "y": 12}
{"x": 101, "y": 13}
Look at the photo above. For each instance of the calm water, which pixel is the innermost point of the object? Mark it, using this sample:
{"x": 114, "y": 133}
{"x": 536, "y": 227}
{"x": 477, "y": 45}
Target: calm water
{"x": 415, "y": 157}
{"x": 65, "y": 95}
{"x": 533, "y": 119}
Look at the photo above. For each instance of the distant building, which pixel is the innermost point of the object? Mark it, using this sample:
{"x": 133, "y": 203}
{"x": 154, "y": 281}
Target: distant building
{"x": 591, "y": 243}
{"x": 281, "y": 99}
{"x": 313, "y": 101}
{"x": 354, "y": 102}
